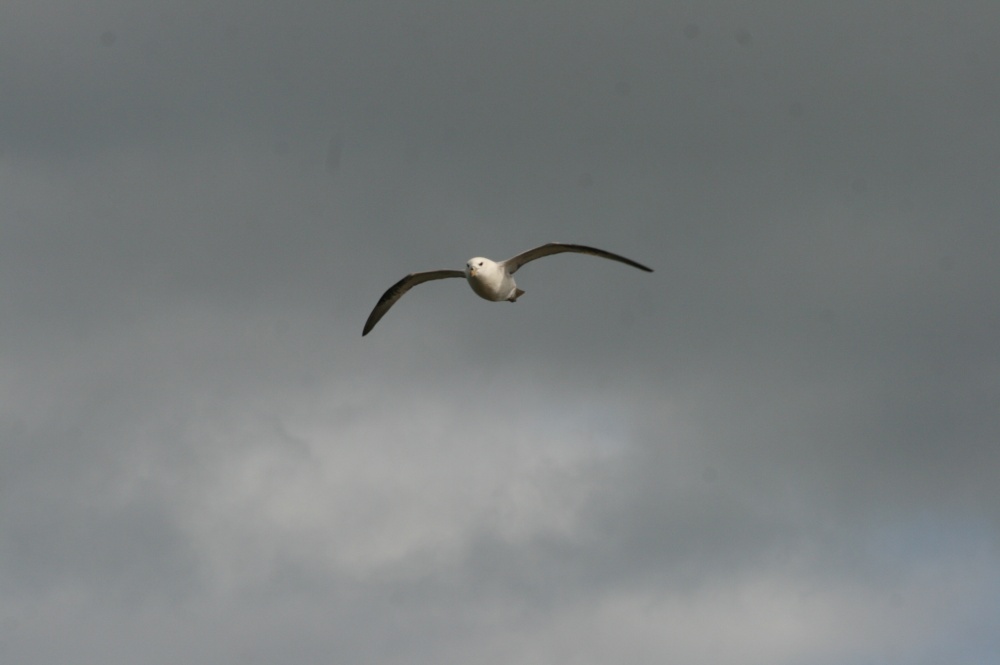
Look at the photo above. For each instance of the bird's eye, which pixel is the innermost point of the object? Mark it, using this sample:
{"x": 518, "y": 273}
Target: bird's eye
{"x": 480, "y": 263}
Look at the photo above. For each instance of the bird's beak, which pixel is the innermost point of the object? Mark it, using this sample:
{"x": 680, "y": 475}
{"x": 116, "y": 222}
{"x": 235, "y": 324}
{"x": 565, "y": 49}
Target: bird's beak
{"x": 472, "y": 272}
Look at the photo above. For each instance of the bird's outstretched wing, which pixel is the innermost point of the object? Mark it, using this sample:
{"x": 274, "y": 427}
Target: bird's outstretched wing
{"x": 515, "y": 262}
{"x": 397, "y": 290}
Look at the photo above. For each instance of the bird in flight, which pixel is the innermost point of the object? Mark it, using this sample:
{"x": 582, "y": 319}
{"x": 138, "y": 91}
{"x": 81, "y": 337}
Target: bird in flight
{"x": 491, "y": 280}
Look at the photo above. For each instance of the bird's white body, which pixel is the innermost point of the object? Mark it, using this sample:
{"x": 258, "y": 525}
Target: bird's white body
{"x": 490, "y": 280}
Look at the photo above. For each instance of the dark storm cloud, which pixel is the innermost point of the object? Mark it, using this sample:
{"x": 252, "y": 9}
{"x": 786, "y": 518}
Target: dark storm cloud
{"x": 780, "y": 443}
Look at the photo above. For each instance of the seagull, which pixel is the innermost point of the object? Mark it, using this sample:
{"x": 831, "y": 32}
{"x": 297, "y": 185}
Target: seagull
{"x": 490, "y": 280}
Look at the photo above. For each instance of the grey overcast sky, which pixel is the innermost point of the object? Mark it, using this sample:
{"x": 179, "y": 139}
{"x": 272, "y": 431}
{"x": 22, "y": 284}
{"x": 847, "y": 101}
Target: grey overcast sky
{"x": 781, "y": 447}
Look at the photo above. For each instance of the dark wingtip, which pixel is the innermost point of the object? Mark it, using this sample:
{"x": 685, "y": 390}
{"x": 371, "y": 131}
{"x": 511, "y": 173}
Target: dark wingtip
{"x": 636, "y": 264}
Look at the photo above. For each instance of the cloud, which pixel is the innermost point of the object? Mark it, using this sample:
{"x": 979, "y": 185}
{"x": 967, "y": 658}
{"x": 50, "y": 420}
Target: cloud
{"x": 778, "y": 447}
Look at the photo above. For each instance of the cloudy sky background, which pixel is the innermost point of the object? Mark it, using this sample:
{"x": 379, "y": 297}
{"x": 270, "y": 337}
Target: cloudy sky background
{"x": 781, "y": 447}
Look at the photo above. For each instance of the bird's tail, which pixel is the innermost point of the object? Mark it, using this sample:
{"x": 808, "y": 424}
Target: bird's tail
{"x": 517, "y": 294}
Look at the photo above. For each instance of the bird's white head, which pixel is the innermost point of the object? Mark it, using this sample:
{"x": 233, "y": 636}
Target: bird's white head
{"x": 477, "y": 265}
